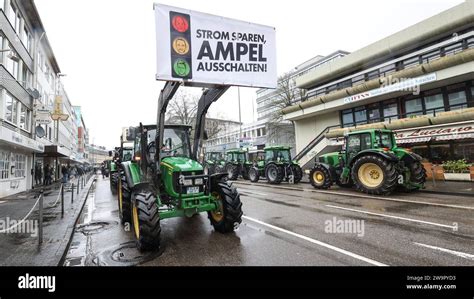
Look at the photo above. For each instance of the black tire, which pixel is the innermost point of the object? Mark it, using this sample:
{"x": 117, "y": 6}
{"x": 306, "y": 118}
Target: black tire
{"x": 232, "y": 171}
{"x": 417, "y": 176}
{"x": 388, "y": 181}
{"x": 229, "y": 215}
{"x": 147, "y": 221}
{"x": 124, "y": 203}
{"x": 320, "y": 178}
{"x": 245, "y": 172}
{"x": 254, "y": 175}
{"x": 297, "y": 173}
{"x": 113, "y": 182}
{"x": 274, "y": 174}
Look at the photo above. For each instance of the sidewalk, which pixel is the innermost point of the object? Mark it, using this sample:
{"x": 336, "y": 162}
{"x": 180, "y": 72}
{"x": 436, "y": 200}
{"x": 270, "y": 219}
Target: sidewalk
{"x": 439, "y": 187}
{"x": 21, "y": 248}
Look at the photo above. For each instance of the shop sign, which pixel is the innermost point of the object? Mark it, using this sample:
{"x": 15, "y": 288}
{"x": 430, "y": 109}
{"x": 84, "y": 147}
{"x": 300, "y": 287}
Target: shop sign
{"x": 448, "y": 132}
{"x": 408, "y": 84}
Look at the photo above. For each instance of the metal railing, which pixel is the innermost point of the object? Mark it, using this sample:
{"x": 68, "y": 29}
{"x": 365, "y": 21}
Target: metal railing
{"x": 313, "y": 143}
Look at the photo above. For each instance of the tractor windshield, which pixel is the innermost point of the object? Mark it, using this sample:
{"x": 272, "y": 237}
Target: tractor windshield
{"x": 240, "y": 157}
{"x": 284, "y": 155}
{"x": 176, "y": 143}
{"x": 386, "y": 140}
{"x": 127, "y": 154}
{"x": 214, "y": 156}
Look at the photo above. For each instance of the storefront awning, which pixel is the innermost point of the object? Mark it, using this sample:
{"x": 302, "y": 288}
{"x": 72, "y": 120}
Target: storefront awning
{"x": 413, "y": 140}
{"x": 455, "y": 136}
{"x": 53, "y": 151}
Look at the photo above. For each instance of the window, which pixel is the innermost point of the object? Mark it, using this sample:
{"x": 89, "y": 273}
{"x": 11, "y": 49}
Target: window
{"x": 11, "y": 108}
{"x": 20, "y": 165}
{"x": 453, "y": 49}
{"x": 413, "y": 107}
{"x": 12, "y": 63}
{"x": 390, "y": 110}
{"x": 434, "y": 103}
{"x": 354, "y": 144}
{"x": 365, "y": 141}
{"x": 360, "y": 115}
{"x": 347, "y": 118}
{"x": 388, "y": 69}
{"x": 344, "y": 84}
{"x": 358, "y": 80}
{"x": 374, "y": 113}
{"x": 470, "y": 42}
{"x": 372, "y": 75}
{"x": 4, "y": 165}
{"x": 14, "y": 18}
{"x": 457, "y": 100}
{"x": 410, "y": 62}
{"x": 428, "y": 57}
{"x": 464, "y": 151}
{"x": 264, "y": 131}
{"x": 24, "y": 118}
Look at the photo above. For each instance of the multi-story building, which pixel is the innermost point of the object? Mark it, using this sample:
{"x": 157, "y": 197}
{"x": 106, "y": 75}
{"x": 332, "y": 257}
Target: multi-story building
{"x": 418, "y": 82}
{"x": 29, "y": 82}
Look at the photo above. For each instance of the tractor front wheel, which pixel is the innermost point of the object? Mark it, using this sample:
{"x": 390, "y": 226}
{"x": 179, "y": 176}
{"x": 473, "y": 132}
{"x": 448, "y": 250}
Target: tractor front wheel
{"x": 146, "y": 221}
{"x": 113, "y": 182}
{"x": 274, "y": 174}
{"x": 228, "y": 215}
{"x": 124, "y": 201}
{"x": 320, "y": 178}
{"x": 373, "y": 174}
{"x": 297, "y": 173}
{"x": 254, "y": 175}
{"x": 245, "y": 173}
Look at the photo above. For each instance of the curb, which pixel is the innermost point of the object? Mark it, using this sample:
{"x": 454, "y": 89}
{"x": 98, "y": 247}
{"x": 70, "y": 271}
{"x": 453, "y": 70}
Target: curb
{"x": 70, "y": 230}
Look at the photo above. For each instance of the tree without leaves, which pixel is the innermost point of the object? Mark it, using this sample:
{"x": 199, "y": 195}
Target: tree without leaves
{"x": 182, "y": 109}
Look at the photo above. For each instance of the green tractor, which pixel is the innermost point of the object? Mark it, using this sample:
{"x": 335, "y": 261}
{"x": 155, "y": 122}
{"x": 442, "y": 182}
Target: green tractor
{"x": 276, "y": 167}
{"x": 237, "y": 164}
{"x": 372, "y": 162}
{"x": 164, "y": 179}
{"x": 120, "y": 154}
{"x": 213, "y": 163}
{"x": 113, "y": 170}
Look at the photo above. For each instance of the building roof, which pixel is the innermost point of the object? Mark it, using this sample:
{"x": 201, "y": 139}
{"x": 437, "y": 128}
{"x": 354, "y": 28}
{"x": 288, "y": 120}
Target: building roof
{"x": 448, "y": 21}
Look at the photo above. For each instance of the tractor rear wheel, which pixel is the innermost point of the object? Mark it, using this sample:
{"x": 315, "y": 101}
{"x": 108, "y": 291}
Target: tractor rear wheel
{"x": 274, "y": 174}
{"x": 228, "y": 216}
{"x": 297, "y": 173}
{"x": 254, "y": 174}
{"x": 320, "y": 178}
{"x": 232, "y": 171}
{"x": 124, "y": 201}
{"x": 417, "y": 176}
{"x": 373, "y": 174}
{"x": 146, "y": 221}
{"x": 245, "y": 173}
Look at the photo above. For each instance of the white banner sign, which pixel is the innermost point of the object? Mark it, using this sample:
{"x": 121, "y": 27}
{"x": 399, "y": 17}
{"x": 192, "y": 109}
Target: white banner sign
{"x": 205, "y": 49}
{"x": 406, "y": 85}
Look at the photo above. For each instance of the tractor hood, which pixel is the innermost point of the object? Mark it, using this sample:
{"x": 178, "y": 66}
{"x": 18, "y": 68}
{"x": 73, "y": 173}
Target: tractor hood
{"x": 181, "y": 164}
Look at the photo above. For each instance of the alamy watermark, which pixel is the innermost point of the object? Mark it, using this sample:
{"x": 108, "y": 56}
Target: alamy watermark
{"x": 12, "y": 226}
{"x": 346, "y": 226}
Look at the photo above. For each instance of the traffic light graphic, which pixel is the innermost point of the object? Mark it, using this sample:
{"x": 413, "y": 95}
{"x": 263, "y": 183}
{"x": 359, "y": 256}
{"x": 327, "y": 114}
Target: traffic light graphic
{"x": 180, "y": 35}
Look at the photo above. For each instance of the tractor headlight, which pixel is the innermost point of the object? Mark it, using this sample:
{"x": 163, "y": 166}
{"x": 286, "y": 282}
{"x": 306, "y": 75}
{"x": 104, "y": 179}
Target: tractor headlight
{"x": 188, "y": 182}
{"x": 199, "y": 181}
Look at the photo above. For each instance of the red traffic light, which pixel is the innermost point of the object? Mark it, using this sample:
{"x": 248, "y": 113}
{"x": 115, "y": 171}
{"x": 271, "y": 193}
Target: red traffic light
{"x": 180, "y": 23}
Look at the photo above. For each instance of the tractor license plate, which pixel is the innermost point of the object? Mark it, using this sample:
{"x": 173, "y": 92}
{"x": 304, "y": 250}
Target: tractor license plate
{"x": 193, "y": 190}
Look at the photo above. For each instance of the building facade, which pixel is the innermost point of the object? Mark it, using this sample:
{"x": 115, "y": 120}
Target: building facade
{"x": 418, "y": 82}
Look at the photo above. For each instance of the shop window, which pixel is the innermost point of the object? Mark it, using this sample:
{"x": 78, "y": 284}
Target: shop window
{"x": 434, "y": 103}
{"x": 20, "y": 165}
{"x": 413, "y": 107}
{"x": 464, "y": 151}
{"x": 360, "y": 115}
{"x": 439, "y": 153}
{"x": 4, "y": 165}
{"x": 457, "y": 100}
{"x": 390, "y": 111}
{"x": 423, "y": 151}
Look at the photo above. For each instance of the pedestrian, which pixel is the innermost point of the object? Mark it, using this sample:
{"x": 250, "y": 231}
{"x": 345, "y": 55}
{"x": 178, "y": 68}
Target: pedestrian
{"x": 47, "y": 175}
{"x": 38, "y": 174}
{"x": 65, "y": 174}
{"x": 103, "y": 170}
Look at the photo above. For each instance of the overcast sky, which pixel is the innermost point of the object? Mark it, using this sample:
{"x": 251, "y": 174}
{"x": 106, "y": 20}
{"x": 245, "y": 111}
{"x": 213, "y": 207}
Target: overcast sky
{"x": 107, "y": 47}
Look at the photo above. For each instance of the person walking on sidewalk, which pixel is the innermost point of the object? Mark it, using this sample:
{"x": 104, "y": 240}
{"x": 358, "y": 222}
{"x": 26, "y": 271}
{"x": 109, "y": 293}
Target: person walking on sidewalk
{"x": 65, "y": 173}
{"x": 38, "y": 174}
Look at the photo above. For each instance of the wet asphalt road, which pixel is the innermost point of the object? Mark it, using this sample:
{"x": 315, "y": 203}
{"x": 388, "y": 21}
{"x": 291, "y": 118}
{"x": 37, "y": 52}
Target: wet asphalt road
{"x": 290, "y": 225}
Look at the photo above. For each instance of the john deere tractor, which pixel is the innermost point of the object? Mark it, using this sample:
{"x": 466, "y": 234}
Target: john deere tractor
{"x": 120, "y": 154}
{"x": 372, "y": 162}
{"x": 237, "y": 164}
{"x": 165, "y": 180}
{"x": 213, "y": 163}
{"x": 276, "y": 167}
{"x": 113, "y": 170}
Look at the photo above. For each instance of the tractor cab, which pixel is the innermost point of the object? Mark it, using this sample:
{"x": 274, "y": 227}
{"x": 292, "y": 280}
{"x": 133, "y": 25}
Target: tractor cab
{"x": 237, "y": 164}
{"x": 279, "y": 154}
{"x": 237, "y": 155}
